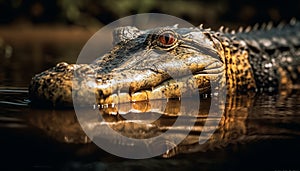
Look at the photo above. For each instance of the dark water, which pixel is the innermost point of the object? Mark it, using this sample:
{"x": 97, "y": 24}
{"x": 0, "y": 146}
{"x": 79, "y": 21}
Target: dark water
{"x": 260, "y": 132}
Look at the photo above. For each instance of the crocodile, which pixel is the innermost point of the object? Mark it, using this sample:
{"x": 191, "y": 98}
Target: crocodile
{"x": 168, "y": 62}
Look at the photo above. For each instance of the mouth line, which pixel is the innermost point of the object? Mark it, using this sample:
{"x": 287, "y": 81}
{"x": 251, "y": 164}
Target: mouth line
{"x": 205, "y": 73}
{"x": 158, "y": 91}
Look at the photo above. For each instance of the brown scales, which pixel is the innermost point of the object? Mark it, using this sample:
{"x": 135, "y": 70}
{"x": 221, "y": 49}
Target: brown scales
{"x": 255, "y": 58}
{"x": 247, "y": 50}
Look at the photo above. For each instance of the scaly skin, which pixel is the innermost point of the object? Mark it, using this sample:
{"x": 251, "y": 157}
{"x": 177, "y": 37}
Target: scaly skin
{"x": 142, "y": 63}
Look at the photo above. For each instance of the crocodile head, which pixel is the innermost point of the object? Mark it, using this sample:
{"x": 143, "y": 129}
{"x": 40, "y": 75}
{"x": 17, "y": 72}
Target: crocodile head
{"x": 164, "y": 62}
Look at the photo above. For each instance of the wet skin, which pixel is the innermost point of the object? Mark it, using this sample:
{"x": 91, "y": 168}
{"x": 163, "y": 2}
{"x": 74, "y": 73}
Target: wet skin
{"x": 171, "y": 62}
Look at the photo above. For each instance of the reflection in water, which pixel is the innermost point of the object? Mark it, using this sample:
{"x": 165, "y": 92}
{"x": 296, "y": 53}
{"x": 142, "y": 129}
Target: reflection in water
{"x": 246, "y": 119}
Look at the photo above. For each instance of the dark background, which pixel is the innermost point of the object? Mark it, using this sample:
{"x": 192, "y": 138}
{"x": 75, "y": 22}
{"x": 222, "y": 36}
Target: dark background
{"x": 90, "y": 12}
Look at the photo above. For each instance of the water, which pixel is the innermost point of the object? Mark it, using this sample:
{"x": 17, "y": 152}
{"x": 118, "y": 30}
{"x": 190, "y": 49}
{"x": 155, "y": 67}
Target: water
{"x": 260, "y": 132}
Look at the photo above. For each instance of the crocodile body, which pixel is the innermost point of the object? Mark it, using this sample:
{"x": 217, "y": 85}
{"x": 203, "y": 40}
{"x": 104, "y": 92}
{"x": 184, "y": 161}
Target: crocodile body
{"x": 142, "y": 63}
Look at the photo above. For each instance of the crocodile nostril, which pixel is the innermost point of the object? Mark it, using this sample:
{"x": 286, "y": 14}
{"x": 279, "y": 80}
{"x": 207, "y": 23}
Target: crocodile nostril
{"x": 100, "y": 93}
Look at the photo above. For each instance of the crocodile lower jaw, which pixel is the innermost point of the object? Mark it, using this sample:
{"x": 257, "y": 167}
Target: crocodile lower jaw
{"x": 169, "y": 89}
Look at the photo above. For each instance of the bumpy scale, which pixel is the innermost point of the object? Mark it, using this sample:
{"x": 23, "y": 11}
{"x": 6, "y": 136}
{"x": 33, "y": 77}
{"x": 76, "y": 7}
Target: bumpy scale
{"x": 167, "y": 62}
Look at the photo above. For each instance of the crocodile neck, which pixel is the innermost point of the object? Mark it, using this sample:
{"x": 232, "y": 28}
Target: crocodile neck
{"x": 265, "y": 59}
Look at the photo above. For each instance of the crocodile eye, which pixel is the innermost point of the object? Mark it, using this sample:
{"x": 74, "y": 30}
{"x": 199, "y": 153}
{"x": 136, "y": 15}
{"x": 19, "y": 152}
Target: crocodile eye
{"x": 167, "y": 39}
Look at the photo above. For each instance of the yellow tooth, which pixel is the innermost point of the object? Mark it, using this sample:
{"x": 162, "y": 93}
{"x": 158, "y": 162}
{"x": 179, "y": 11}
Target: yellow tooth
{"x": 116, "y": 99}
{"x": 111, "y": 99}
{"x": 139, "y": 96}
{"x": 156, "y": 94}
